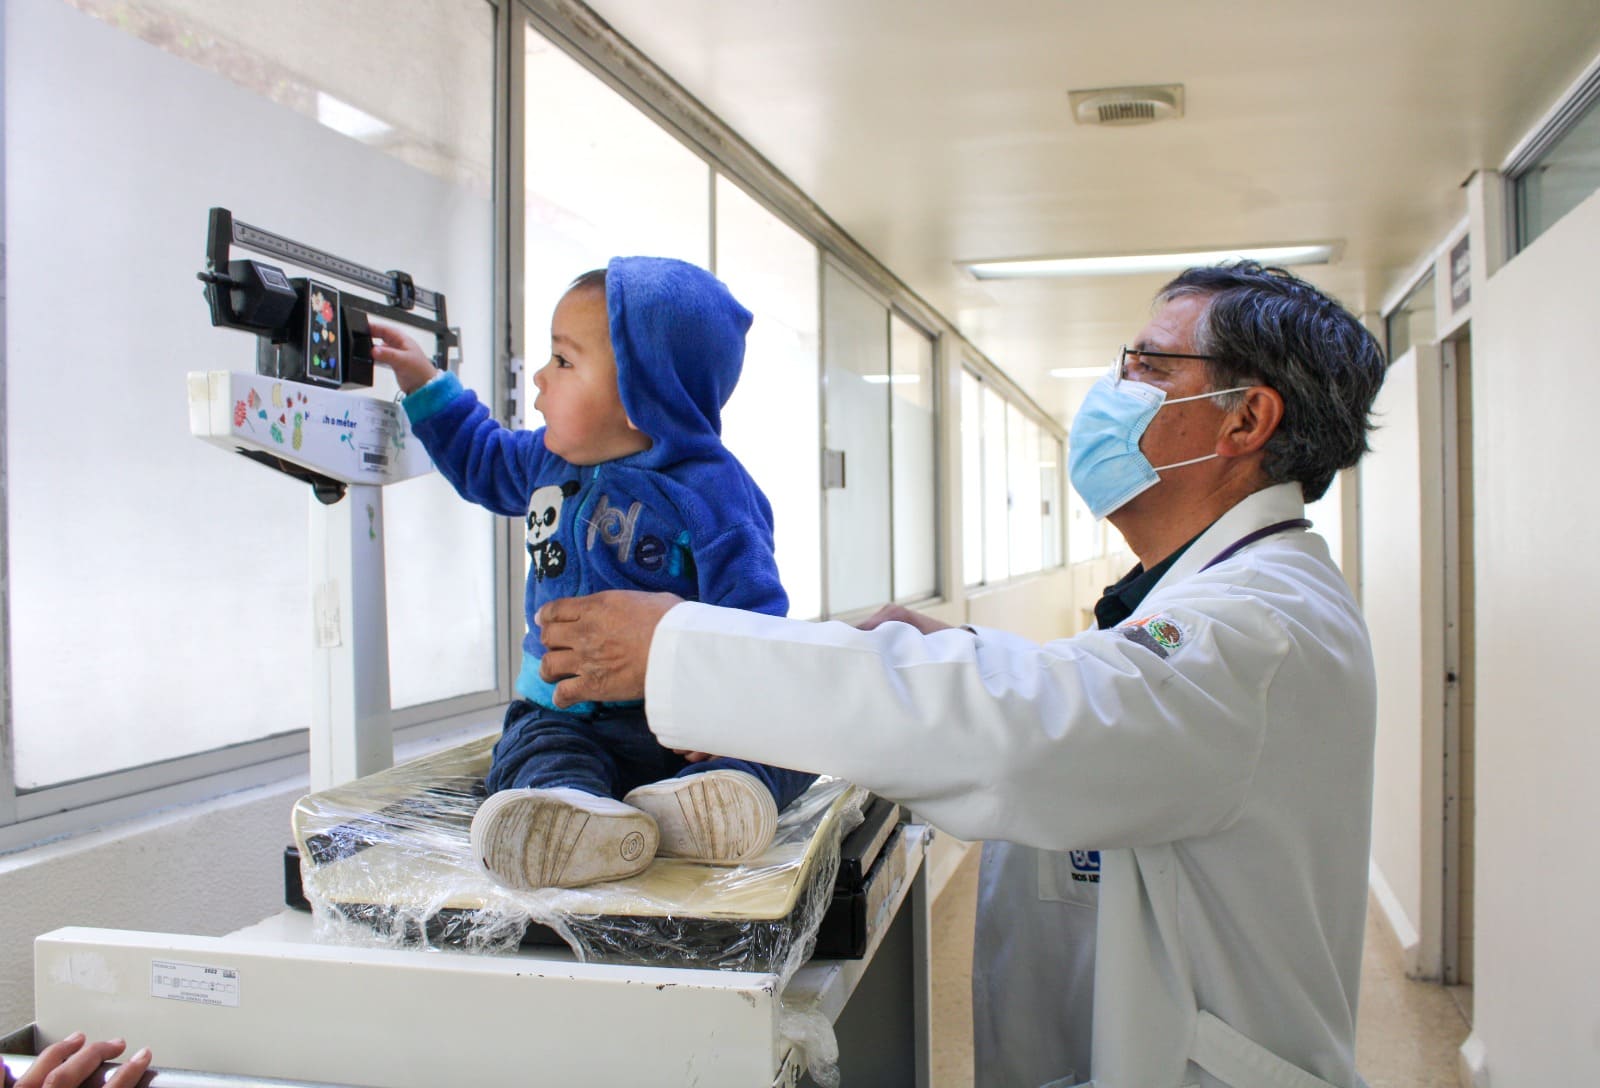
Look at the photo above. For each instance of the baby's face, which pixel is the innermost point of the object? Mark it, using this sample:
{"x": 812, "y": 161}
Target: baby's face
{"x": 585, "y": 423}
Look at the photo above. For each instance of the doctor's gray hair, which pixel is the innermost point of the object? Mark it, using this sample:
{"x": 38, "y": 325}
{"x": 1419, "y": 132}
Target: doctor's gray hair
{"x": 1268, "y": 327}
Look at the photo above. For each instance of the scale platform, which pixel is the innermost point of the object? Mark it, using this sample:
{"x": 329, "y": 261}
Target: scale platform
{"x": 271, "y": 1001}
{"x": 391, "y": 855}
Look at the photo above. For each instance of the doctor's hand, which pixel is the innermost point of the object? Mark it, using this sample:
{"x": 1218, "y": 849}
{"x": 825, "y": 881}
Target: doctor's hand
{"x": 73, "y": 1060}
{"x": 893, "y": 613}
{"x": 598, "y": 646}
{"x": 401, "y": 354}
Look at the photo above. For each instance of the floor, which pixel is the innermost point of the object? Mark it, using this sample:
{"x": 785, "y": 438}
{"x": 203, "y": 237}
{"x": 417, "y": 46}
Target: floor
{"x": 1406, "y": 1038}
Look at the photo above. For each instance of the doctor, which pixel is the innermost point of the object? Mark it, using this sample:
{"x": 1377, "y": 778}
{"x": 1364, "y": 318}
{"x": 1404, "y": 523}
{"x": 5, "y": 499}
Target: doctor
{"x": 1205, "y": 752}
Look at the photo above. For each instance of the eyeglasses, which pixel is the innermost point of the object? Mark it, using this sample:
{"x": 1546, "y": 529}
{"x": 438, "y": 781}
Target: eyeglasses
{"x": 1121, "y": 367}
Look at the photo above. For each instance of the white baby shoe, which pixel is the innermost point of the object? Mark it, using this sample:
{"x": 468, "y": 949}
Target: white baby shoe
{"x": 722, "y": 817}
{"x": 560, "y": 838}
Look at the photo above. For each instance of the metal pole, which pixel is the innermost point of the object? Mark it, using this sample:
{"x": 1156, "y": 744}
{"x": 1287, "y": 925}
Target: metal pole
{"x": 351, "y": 733}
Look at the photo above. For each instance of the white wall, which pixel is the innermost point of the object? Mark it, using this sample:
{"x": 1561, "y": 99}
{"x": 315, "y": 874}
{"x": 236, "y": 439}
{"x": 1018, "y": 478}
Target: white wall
{"x": 204, "y": 869}
{"x": 207, "y": 868}
{"x": 1536, "y": 388}
{"x": 114, "y": 151}
{"x": 1037, "y": 606}
{"x": 1401, "y": 560}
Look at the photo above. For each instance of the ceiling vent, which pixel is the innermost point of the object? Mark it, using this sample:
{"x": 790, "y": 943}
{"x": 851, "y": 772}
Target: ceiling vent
{"x": 1127, "y": 105}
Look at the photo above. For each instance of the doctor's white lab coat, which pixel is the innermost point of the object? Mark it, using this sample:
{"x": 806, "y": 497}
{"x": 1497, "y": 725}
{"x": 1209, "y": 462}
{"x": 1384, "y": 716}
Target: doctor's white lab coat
{"x": 1216, "y": 750}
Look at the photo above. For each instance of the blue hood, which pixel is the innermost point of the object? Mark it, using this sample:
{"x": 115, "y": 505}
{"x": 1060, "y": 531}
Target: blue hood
{"x": 678, "y": 335}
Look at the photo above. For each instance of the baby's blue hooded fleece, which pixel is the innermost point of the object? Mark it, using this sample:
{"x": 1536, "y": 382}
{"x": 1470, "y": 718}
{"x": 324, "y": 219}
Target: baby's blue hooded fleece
{"x": 682, "y": 516}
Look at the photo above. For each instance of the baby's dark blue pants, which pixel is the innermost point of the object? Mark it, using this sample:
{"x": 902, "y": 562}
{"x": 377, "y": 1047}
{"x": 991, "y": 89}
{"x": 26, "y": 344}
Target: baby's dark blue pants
{"x": 606, "y": 752}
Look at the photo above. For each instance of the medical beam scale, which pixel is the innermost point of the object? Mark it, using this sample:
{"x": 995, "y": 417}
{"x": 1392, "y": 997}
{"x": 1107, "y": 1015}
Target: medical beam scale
{"x": 305, "y": 413}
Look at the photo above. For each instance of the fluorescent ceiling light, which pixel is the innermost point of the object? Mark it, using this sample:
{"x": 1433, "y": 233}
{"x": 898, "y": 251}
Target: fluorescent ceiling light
{"x": 341, "y": 116}
{"x": 1080, "y": 371}
{"x": 892, "y": 379}
{"x": 1133, "y": 264}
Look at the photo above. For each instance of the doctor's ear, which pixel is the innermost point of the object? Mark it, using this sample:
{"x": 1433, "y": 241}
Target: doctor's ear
{"x": 1248, "y": 426}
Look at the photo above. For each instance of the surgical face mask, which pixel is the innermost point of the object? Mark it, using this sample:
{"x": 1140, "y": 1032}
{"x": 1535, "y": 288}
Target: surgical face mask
{"x": 1104, "y": 461}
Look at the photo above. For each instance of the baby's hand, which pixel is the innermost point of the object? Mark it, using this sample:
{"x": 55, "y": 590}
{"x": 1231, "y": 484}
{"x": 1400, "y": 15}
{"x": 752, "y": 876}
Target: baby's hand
{"x": 397, "y": 351}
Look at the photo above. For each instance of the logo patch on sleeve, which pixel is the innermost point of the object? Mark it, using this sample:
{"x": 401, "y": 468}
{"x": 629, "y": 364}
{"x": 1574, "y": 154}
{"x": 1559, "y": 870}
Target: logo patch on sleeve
{"x": 1159, "y": 634}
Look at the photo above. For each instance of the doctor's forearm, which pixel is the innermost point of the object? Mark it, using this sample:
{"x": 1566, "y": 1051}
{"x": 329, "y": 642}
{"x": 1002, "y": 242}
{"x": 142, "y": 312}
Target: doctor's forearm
{"x": 823, "y": 698}
{"x": 993, "y": 737}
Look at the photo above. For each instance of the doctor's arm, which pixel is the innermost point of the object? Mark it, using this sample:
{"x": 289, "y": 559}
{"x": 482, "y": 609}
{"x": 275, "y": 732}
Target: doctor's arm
{"x": 598, "y": 646}
{"x": 1091, "y": 740}
{"x": 1095, "y": 739}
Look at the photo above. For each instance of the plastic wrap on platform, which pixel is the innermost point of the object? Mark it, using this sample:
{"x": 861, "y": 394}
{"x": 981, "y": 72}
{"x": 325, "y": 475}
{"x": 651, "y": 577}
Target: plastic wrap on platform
{"x": 387, "y": 860}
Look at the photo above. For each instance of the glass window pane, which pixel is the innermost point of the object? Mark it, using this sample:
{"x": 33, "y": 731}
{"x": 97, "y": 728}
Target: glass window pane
{"x": 996, "y": 499}
{"x": 916, "y": 530}
{"x": 1022, "y": 470}
{"x": 971, "y": 479}
{"x": 1562, "y": 178}
{"x": 1083, "y": 533}
{"x": 1050, "y": 498}
{"x": 1412, "y": 322}
{"x": 603, "y": 180}
{"x": 192, "y": 562}
{"x": 772, "y": 422}
{"x": 855, "y": 341}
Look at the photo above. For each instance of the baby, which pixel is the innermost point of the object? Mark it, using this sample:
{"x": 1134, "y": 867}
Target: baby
{"x": 627, "y": 486}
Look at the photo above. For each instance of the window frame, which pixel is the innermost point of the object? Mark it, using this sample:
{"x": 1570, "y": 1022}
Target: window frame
{"x": 940, "y": 523}
{"x": 29, "y": 816}
{"x": 1427, "y": 278}
{"x": 1012, "y": 396}
{"x": 1571, "y": 109}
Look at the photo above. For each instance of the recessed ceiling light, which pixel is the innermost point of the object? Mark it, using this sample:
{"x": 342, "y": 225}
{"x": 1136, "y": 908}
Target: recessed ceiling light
{"x": 1137, "y": 263}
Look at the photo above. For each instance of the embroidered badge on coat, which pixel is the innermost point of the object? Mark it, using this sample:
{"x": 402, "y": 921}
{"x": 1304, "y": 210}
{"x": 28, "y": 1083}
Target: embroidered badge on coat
{"x": 1159, "y": 634}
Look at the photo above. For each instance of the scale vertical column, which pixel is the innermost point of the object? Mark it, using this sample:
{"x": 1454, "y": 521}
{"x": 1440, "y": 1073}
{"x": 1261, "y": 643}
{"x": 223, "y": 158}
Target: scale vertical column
{"x": 351, "y": 733}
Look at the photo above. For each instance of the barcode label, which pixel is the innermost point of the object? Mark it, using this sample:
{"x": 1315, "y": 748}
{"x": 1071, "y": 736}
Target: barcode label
{"x": 374, "y": 458}
{"x": 196, "y": 983}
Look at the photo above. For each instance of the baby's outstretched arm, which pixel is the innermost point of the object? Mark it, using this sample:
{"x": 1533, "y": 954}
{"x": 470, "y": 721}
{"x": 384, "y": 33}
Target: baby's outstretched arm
{"x": 401, "y": 354}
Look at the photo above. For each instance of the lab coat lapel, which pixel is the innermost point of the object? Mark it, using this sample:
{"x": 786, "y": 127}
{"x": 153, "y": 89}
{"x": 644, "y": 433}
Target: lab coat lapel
{"x": 1280, "y": 502}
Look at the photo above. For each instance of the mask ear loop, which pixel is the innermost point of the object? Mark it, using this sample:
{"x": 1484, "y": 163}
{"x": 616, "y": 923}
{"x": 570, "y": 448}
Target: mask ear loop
{"x": 1197, "y": 396}
{"x": 1180, "y": 464}
{"x": 1204, "y": 396}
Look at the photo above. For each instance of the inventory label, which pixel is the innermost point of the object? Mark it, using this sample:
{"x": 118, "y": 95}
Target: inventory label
{"x": 377, "y": 435}
{"x": 194, "y": 982}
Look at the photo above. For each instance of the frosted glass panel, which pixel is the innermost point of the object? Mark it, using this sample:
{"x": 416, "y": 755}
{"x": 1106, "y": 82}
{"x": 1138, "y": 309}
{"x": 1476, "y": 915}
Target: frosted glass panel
{"x": 771, "y": 423}
{"x": 996, "y": 499}
{"x": 971, "y": 479}
{"x": 916, "y": 530}
{"x": 856, "y": 348}
{"x": 1022, "y": 459}
{"x": 159, "y": 598}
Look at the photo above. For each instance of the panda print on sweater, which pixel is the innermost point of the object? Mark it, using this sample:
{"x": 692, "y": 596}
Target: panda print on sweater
{"x": 544, "y": 517}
